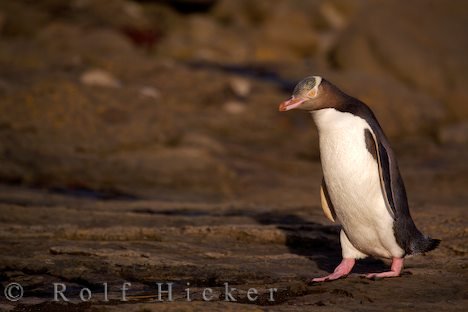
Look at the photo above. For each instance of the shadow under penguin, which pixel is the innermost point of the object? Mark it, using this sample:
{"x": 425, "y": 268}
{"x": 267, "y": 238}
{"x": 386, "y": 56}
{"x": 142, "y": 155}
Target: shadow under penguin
{"x": 317, "y": 242}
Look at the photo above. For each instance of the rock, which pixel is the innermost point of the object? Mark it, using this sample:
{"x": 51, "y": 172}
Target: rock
{"x": 71, "y": 250}
{"x": 173, "y": 126}
{"x": 171, "y": 170}
{"x": 150, "y": 92}
{"x": 240, "y": 86}
{"x": 99, "y": 78}
{"x": 333, "y": 16}
{"x": 104, "y": 139}
{"x": 57, "y": 132}
{"x": 134, "y": 10}
{"x": 245, "y": 31}
{"x": 423, "y": 51}
{"x": 202, "y": 38}
{"x": 115, "y": 14}
{"x": 242, "y": 13}
{"x": 333, "y": 19}
{"x": 66, "y": 45}
{"x": 84, "y": 243}
{"x": 234, "y": 107}
{"x": 454, "y": 133}
{"x": 285, "y": 35}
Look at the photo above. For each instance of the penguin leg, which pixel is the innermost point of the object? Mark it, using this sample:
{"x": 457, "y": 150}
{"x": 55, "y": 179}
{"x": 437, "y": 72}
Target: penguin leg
{"x": 350, "y": 254}
{"x": 397, "y": 265}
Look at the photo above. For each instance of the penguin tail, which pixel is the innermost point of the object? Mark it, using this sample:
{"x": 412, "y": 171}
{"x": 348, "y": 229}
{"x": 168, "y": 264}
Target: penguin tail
{"x": 424, "y": 244}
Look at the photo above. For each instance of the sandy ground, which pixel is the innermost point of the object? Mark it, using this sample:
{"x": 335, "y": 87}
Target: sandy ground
{"x": 273, "y": 236}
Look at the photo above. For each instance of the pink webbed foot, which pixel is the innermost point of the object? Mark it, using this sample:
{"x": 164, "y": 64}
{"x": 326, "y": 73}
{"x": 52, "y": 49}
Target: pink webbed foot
{"x": 341, "y": 270}
{"x": 397, "y": 265}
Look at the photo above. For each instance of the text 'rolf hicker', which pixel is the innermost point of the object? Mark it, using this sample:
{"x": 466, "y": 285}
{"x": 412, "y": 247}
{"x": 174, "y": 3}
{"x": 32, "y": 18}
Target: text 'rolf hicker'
{"x": 163, "y": 292}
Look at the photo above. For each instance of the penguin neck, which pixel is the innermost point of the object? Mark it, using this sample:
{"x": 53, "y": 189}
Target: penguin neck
{"x": 335, "y": 113}
{"x": 333, "y": 97}
{"x": 331, "y": 119}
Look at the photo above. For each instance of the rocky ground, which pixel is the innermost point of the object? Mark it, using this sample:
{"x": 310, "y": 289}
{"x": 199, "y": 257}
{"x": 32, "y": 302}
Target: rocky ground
{"x": 140, "y": 142}
{"x": 276, "y": 238}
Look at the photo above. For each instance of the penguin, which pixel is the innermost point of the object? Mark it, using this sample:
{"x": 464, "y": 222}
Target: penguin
{"x": 362, "y": 188}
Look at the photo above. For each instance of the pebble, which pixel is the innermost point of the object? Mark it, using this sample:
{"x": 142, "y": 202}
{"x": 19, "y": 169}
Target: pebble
{"x": 150, "y": 92}
{"x": 240, "y": 86}
{"x": 100, "y": 78}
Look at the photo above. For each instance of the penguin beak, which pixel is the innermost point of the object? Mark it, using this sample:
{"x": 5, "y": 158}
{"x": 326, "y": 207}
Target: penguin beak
{"x": 291, "y": 104}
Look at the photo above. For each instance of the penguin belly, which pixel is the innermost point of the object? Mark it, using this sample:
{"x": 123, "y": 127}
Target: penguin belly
{"x": 352, "y": 177}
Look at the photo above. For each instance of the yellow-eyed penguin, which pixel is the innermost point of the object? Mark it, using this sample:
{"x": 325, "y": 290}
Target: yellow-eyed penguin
{"x": 362, "y": 187}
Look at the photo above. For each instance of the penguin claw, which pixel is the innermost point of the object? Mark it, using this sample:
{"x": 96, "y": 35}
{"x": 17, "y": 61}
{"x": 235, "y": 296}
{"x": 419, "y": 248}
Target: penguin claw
{"x": 327, "y": 278}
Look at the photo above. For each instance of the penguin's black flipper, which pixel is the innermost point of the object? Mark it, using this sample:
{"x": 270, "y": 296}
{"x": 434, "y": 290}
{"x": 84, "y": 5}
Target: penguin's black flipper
{"x": 380, "y": 154}
{"x": 392, "y": 183}
{"x": 406, "y": 232}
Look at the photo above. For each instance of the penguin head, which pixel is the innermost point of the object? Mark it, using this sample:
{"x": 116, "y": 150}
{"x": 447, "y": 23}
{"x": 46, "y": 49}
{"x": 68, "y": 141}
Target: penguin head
{"x": 306, "y": 95}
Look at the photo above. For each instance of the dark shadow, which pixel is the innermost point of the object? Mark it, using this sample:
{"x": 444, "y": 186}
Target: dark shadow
{"x": 82, "y": 192}
{"x": 187, "y": 6}
{"x": 319, "y": 243}
{"x": 257, "y": 72}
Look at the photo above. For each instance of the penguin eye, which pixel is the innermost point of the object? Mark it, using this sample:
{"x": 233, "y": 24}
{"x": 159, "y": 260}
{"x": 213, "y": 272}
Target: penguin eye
{"x": 312, "y": 93}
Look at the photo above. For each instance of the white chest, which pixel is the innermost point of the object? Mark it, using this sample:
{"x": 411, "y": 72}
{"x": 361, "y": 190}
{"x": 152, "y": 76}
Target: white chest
{"x": 350, "y": 171}
{"x": 352, "y": 177}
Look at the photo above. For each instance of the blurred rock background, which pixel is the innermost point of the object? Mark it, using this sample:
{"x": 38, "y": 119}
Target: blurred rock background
{"x": 163, "y": 99}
